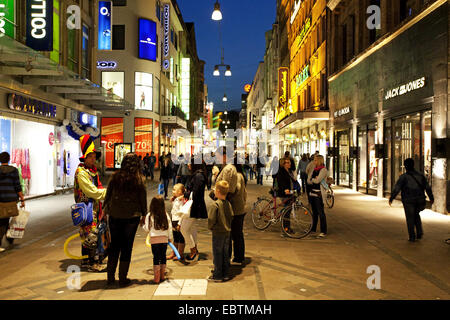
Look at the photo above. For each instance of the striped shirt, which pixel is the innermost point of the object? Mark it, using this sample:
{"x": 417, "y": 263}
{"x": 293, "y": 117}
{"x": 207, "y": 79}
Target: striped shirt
{"x": 9, "y": 184}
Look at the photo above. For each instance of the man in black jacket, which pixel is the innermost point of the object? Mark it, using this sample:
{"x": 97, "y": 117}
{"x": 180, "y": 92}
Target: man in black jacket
{"x": 412, "y": 184}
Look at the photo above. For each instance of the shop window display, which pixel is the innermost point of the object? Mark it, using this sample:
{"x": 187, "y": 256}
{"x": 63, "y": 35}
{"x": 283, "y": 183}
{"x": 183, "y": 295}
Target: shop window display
{"x": 344, "y": 159}
{"x": 427, "y": 145}
{"x": 362, "y": 161}
{"x": 373, "y": 162}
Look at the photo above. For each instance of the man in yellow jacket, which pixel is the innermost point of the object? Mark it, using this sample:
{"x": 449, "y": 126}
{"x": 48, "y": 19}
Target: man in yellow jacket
{"x": 87, "y": 188}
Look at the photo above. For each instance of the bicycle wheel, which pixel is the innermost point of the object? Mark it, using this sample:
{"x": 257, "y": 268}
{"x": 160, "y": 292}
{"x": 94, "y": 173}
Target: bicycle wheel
{"x": 262, "y": 213}
{"x": 296, "y": 223}
{"x": 330, "y": 200}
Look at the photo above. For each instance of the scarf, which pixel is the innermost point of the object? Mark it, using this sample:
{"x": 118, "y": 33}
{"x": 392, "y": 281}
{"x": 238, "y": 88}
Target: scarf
{"x": 92, "y": 170}
{"x": 319, "y": 168}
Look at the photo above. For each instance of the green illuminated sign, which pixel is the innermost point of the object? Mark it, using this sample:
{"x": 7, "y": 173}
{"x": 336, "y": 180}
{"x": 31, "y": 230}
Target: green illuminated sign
{"x": 7, "y": 18}
{"x": 302, "y": 76}
{"x": 304, "y": 30}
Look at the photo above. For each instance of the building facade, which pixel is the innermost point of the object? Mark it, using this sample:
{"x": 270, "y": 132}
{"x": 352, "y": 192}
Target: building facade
{"x": 49, "y": 94}
{"x": 389, "y": 96}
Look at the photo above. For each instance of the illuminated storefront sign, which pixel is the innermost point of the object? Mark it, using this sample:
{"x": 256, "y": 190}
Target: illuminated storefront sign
{"x": 166, "y": 47}
{"x": 283, "y": 110}
{"x": 302, "y": 76}
{"x": 297, "y": 5}
{"x": 39, "y": 15}
{"x": 290, "y": 137}
{"x": 406, "y": 88}
{"x": 185, "y": 85}
{"x": 147, "y": 40}
{"x": 342, "y": 112}
{"x": 7, "y": 18}
{"x": 104, "y": 25}
{"x": 33, "y": 106}
{"x": 106, "y": 64}
{"x": 305, "y": 29}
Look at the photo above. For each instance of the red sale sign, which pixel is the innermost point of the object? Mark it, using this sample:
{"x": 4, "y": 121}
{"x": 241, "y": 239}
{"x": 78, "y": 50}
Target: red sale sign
{"x": 143, "y": 136}
{"x": 112, "y": 132}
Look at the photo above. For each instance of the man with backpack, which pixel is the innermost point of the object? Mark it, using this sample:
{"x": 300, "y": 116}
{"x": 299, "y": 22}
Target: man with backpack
{"x": 413, "y": 185}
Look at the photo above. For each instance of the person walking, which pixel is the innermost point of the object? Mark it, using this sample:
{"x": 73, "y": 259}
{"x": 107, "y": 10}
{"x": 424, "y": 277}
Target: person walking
{"x": 302, "y": 165}
{"x": 151, "y": 165}
{"x": 220, "y": 215}
{"x": 10, "y": 193}
{"x": 412, "y": 186}
{"x": 159, "y": 226}
{"x": 165, "y": 175}
{"x": 183, "y": 171}
{"x": 196, "y": 186}
{"x": 317, "y": 194}
{"x": 146, "y": 165}
{"x": 259, "y": 171}
{"x": 126, "y": 207}
{"x": 88, "y": 188}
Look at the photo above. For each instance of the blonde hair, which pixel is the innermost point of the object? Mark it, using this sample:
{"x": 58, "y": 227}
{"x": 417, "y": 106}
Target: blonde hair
{"x": 180, "y": 186}
{"x": 222, "y": 186}
{"x": 320, "y": 159}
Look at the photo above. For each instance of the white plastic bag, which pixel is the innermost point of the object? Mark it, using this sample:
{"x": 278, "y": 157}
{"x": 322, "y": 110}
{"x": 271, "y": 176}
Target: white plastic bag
{"x": 17, "y": 225}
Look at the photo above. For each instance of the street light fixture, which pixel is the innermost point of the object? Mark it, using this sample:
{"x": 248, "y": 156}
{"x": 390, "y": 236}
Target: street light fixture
{"x": 225, "y": 99}
{"x": 216, "y": 15}
{"x": 228, "y": 72}
{"x": 216, "y": 72}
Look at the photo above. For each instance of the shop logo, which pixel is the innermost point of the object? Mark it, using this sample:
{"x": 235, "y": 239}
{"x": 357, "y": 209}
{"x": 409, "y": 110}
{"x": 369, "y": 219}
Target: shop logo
{"x": 106, "y": 64}
{"x": 302, "y": 76}
{"x": 40, "y": 25}
{"x": 2, "y": 19}
{"x": 104, "y": 26}
{"x": 166, "y": 47}
{"x": 342, "y": 112}
{"x": 406, "y": 88}
{"x": 304, "y": 30}
{"x": 51, "y": 138}
{"x": 36, "y": 107}
{"x": 297, "y": 5}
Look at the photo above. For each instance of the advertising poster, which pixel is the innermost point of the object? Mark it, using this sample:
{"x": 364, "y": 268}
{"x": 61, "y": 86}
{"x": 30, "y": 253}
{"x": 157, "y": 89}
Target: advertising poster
{"x": 113, "y": 81}
{"x": 147, "y": 40}
{"x": 143, "y": 94}
{"x": 7, "y": 18}
{"x": 104, "y": 25}
{"x": 143, "y": 136}
{"x": 112, "y": 133}
{"x": 120, "y": 150}
{"x": 156, "y": 142}
{"x": 39, "y": 16}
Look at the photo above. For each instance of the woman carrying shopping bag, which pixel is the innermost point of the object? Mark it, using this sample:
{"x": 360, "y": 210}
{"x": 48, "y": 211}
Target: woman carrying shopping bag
{"x": 196, "y": 186}
{"x": 10, "y": 193}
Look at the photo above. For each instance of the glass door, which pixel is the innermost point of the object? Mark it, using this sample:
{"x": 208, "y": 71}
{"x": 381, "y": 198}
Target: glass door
{"x": 427, "y": 145}
{"x": 373, "y": 162}
{"x": 362, "y": 160}
{"x": 344, "y": 158}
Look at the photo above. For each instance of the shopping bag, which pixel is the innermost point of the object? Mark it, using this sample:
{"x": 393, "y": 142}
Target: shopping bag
{"x": 161, "y": 189}
{"x": 17, "y": 225}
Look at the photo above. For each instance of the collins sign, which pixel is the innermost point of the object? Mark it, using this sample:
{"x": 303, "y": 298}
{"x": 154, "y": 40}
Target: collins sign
{"x": 39, "y": 15}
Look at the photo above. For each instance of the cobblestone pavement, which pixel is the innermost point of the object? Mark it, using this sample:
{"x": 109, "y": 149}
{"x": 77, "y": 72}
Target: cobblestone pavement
{"x": 363, "y": 231}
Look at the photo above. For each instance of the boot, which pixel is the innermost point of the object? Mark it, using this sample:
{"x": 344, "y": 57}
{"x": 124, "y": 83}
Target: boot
{"x": 193, "y": 255}
{"x": 124, "y": 266}
{"x": 180, "y": 251}
{"x": 156, "y": 274}
{"x": 111, "y": 269}
{"x": 163, "y": 272}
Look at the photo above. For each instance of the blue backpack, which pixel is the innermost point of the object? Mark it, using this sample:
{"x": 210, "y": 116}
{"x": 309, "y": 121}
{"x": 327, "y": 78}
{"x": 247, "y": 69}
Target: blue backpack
{"x": 82, "y": 214}
{"x": 161, "y": 189}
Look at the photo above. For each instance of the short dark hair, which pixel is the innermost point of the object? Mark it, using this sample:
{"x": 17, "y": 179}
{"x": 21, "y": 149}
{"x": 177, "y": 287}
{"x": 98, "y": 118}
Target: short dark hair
{"x": 287, "y": 153}
{"x": 4, "y": 157}
{"x": 409, "y": 164}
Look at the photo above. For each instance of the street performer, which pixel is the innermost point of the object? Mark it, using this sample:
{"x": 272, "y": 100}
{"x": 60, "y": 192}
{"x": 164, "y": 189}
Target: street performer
{"x": 87, "y": 187}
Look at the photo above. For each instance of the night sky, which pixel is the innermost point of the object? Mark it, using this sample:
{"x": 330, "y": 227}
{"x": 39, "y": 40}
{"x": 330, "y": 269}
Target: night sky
{"x": 243, "y": 27}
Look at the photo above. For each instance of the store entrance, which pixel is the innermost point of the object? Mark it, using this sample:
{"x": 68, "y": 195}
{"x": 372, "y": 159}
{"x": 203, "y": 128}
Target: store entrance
{"x": 343, "y": 164}
{"x": 411, "y": 139}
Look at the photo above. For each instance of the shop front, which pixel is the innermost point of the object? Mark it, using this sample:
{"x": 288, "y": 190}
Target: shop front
{"x": 387, "y": 107}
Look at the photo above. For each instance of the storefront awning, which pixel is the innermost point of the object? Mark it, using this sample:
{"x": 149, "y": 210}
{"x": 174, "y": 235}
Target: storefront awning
{"x": 303, "y": 117}
{"x": 34, "y": 69}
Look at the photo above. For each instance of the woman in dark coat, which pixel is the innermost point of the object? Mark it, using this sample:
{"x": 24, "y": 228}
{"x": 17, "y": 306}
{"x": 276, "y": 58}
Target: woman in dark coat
{"x": 165, "y": 175}
{"x": 196, "y": 186}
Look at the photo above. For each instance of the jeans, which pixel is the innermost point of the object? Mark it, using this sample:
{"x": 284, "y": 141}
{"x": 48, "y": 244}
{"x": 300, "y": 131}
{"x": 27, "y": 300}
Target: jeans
{"x": 166, "y": 186}
{"x": 123, "y": 232}
{"x": 318, "y": 211}
{"x": 303, "y": 178}
{"x": 237, "y": 243}
{"x": 221, "y": 258}
{"x": 260, "y": 177}
{"x": 413, "y": 220}
{"x": 159, "y": 253}
{"x": 151, "y": 169}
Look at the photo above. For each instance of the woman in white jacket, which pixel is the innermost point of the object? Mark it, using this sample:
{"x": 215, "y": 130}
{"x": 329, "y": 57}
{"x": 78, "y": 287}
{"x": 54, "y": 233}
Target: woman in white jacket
{"x": 317, "y": 194}
{"x": 159, "y": 226}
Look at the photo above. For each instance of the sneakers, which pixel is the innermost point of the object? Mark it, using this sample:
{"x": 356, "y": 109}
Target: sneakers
{"x": 322, "y": 235}
{"x": 212, "y": 279}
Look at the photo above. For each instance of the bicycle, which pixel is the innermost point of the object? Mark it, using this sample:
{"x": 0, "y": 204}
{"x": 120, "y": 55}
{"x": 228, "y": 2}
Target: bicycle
{"x": 296, "y": 219}
{"x": 330, "y": 197}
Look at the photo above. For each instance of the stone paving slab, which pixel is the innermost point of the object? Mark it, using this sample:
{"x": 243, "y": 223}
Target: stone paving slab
{"x": 363, "y": 231}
